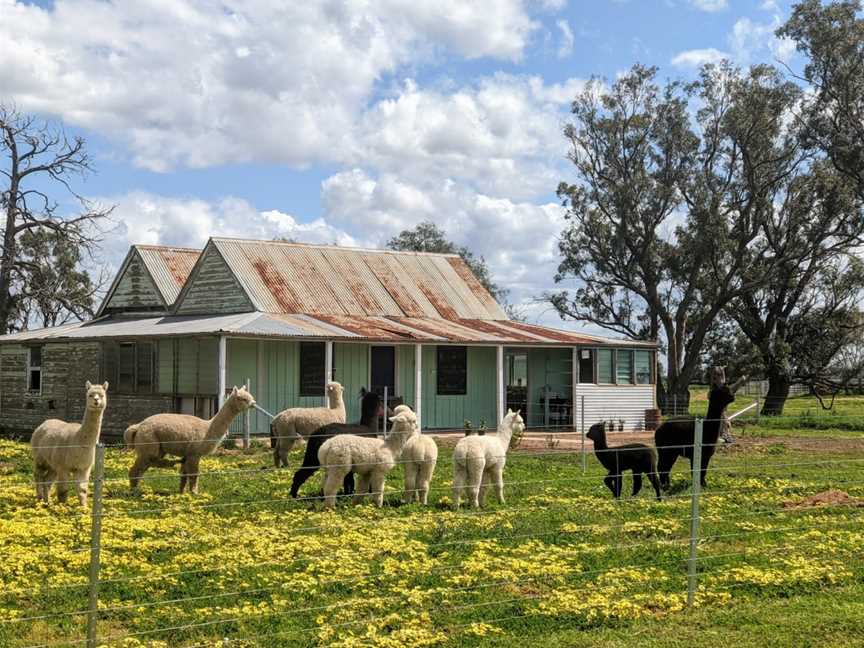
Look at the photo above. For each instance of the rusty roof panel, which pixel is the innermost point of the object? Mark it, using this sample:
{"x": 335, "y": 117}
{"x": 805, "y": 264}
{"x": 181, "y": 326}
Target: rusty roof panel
{"x": 492, "y": 307}
{"x": 169, "y": 267}
{"x": 412, "y": 301}
{"x": 363, "y": 283}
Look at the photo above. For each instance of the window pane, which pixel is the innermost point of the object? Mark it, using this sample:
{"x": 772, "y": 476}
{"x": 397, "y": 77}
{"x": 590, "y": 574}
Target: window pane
{"x": 604, "y": 366}
{"x": 126, "y": 368}
{"x": 35, "y": 356}
{"x": 452, "y": 371}
{"x": 624, "y": 368}
{"x": 643, "y": 367}
{"x": 145, "y": 367}
{"x": 312, "y": 369}
{"x": 35, "y": 380}
{"x": 517, "y": 370}
{"x": 586, "y": 365}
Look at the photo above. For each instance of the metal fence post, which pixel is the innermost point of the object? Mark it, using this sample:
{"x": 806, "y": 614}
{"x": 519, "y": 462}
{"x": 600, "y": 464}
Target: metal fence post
{"x": 584, "y": 456}
{"x": 246, "y": 419}
{"x": 695, "y": 490}
{"x": 95, "y": 545}
{"x": 384, "y": 422}
{"x": 758, "y": 410}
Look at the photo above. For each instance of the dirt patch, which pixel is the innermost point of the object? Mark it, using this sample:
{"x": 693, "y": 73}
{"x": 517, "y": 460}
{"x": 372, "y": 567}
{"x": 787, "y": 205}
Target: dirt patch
{"x": 825, "y": 498}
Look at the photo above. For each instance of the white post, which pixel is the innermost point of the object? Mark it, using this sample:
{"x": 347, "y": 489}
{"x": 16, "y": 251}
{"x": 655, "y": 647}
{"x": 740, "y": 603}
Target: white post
{"x": 246, "y": 419}
{"x": 499, "y": 365}
{"x": 384, "y": 421}
{"x": 222, "y": 366}
{"x": 574, "y": 379}
{"x": 418, "y": 384}
{"x": 328, "y": 367}
{"x": 584, "y": 456}
{"x": 95, "y": 546}
{"x": 694, "y": 511}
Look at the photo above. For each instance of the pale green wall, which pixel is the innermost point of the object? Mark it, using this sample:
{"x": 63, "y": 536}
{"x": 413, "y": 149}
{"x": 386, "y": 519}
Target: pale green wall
{"x": 478, "y": 403}
{"x": 405, "y": 373}
{"x": 351, "y": 369}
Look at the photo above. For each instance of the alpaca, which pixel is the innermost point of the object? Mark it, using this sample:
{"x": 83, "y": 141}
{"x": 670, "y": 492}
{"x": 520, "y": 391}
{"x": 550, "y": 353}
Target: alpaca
{"x": 419, "y": 457}
{"x": 297, "y": 423}
{"x": 478, "y": 460}
{"x": 181, "y": 435}
{"x": 65, "y": 452}
{"x": 675, "y": 438}
{"x": 637, "y": 457}
{"x": 370, "y": 458}
{"x": 371, "y": 411}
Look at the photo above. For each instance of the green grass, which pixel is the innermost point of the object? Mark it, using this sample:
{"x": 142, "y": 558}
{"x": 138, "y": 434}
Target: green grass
{"x": 560, "y": 563}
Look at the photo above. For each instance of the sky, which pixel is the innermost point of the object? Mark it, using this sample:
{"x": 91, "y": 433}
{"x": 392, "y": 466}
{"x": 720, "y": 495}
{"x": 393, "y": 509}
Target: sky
{"x": 346, "y": 122}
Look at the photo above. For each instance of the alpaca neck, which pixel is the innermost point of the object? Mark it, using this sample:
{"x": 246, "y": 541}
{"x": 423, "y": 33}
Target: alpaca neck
{"x": 372, "y": 422}
{"x": 505, "y": 433}
{"x": 396, "y": 440}
{"x": 600, "y": 442}
{"x": 336, "y": 403}
{"x": 91, "y": 425}
{"x": 220, "y": 423}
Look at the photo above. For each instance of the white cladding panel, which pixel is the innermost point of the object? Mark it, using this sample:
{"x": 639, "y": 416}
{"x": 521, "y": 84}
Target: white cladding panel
{"x": 613, "y": 402}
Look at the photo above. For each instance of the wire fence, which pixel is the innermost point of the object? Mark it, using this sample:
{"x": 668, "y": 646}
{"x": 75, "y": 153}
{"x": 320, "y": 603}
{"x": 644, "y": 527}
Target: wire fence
{"x": 246, "y": 564}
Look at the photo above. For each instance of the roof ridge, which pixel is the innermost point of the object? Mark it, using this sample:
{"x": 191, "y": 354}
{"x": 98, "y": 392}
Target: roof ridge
{"x": 329, "y": 246}
{"x": 148, "y": 246}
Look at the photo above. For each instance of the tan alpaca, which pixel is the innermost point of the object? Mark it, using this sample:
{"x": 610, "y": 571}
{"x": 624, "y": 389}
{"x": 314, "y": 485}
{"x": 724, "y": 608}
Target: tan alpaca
{"x": 64, "y": 452}
{"x": 297, "y": 423}
{"x": 181, "y": 435}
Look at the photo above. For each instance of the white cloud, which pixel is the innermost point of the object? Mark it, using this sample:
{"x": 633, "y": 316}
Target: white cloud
{"x": 710, "y": 5}
{"x": 502, "y": 134}
{"x": 752, "y": 41}
{"x": 565, "y": 47}
{"x": 201, "y": 83}
{"x": 698, "y": 57}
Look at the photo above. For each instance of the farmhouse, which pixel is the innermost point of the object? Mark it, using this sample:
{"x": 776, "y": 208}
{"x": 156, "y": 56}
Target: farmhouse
{"x": 178, "y": 327}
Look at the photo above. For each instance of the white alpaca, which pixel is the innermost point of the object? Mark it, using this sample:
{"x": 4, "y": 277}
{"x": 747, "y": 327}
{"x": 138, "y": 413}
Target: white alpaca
{"x": 369, "y": 457}
{"x": 479, "y": 460}
{"x": 295, "y": 424}
{"x": 419, "y": 456}
{"x": 183, "y": 436}
{"x": 64, "y": 452}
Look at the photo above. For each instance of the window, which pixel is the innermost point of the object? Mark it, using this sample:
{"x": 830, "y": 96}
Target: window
{"x": 624, "y": 368}
{"x": 604, "y": 366}
{"x": 517, "y": 370}
{"x": 34, "y": 369}
{"x": 129, "y": 366}
{"x": 452, "y": 370}
{"x": 586, "y": 365}
{"x": 312, "y": 368}
{"x": 643, "y": 367}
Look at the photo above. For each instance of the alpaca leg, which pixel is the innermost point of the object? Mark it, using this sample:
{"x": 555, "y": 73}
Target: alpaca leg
{"x": 310, "y": 464}
{"x": 703, "y": 473}
{"x": 282, "y": 453}
{"x": 362, "y": 488}
{"x": 655, "y": 482}
{"x": 63, "y": 483}
{"x": 140, "y": 466}
{"x": 82, "y": 479}
{"x": 484, "y": 483}
{"x": 475, "y": 480}
{"x": 376, "y": 483}
{"x": 665, "y": 461}
{"x": 609, "y": 480}
{"x": 458, "y": 485}
{"x": 637, "y": 483}
{"x": 425, "y": 478}
{"x": 348, "y": 484}
{"x": 194, "y": 462}
{"x": 43, "y": 476}
{"x": 184, "y": 474}
{"x": 410, "y": 483}
{"x": 498, "y": 475}
{"x": 332, "y": 482}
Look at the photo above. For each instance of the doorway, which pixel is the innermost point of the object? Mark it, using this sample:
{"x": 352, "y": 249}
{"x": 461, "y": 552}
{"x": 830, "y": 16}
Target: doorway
{"x": 516, "y": 368}
{"x": 382, "y": 370}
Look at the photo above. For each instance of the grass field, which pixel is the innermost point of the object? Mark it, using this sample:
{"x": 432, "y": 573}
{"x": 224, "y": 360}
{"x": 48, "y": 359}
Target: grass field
{"x": 560, "y": 563}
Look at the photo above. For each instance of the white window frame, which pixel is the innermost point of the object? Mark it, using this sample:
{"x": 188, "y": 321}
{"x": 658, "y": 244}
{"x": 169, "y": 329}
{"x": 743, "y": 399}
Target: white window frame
{"x": 31, "y": 368}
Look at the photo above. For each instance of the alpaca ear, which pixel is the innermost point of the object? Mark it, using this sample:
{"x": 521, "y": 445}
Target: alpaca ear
{"x": 509, "y": 411}
{"x": 105, "y": 385}
{"x": 87, "y": 385}
{"x": 517, "y": 412}
{"x": 234, "y": 390}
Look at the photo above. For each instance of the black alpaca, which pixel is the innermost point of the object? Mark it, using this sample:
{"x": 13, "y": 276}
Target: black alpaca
{"x": 675, "y": 438}
{"x": 637, "y": 457}
{"x": 371, "y": 411}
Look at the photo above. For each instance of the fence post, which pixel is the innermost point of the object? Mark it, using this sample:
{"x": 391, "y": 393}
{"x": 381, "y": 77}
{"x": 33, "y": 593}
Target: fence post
{"x": 758, "y": 410}
{"x": 695, "y": 490}
{"x": 246, "y": 421}
{"x": 584, "y": 456}
{"x": 384, "y": 422}
{"x": 95, "y": 545}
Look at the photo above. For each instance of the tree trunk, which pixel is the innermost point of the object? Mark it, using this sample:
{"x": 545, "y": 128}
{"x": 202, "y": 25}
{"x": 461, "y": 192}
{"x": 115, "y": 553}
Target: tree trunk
{"x": 675, "y": 400}
{"x": 778, "y": 392}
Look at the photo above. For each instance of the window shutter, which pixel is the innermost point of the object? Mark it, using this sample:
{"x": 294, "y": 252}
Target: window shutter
{"x": 145, "y": 367}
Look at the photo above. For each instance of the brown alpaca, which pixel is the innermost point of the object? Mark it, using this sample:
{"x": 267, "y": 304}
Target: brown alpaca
{"x": 181, "y": 435}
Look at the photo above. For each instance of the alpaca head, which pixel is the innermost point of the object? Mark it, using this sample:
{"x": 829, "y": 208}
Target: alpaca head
{"x": 514, "y": 423}
{"x": 718, "y": 399}
{"x": 334, "y": 391}
{"x": 242, "y": 399}
{"x": 97, "y": 396}
{"x": 372, "y": 405}
{"x": 596, "y": 432}
{"x": 404, "y": 409}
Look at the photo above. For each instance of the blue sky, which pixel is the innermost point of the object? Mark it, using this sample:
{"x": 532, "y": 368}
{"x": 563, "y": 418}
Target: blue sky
{"x": 348, "y": 121}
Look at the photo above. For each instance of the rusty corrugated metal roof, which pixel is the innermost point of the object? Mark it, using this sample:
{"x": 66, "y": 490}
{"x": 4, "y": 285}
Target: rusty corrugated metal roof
{"x": 431, "y": 330}
{"x": 169, "y": 267}
{"x": 325, "y": 280}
